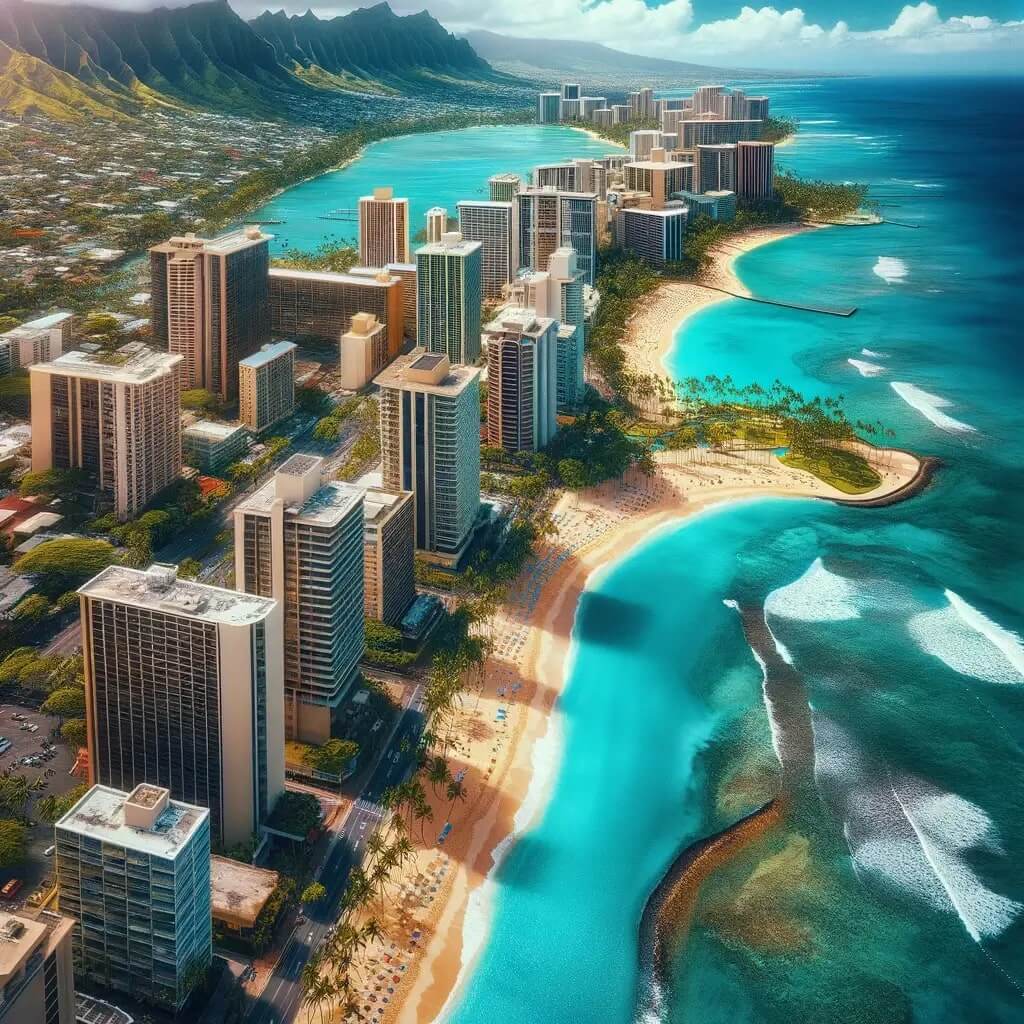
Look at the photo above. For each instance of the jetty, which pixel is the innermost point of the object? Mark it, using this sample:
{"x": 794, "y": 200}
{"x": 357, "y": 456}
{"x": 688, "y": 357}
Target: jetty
{"x": 844, "y": 311}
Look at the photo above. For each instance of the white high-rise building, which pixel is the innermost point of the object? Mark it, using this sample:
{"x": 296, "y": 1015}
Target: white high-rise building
{"x": 494, "y": 226}
{"x": 503, "y": 188}
{"x": 430, "y": 445}
{"x": 183, "y": 687}
{"x": 642, "y": 142}
{"x": 134, "y": 870}
{"x": 299, "y": 540}
{"x": 36, "y": 341}
{"x": 521, "y": 380}
{"x": 383, "y": 229}
{"x": 448, "y": 294}
{"x": 707, "y": 99}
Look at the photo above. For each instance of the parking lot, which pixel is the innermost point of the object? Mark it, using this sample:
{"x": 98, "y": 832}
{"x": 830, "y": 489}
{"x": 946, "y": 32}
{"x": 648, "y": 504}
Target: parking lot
{"x": 55, "y": 778}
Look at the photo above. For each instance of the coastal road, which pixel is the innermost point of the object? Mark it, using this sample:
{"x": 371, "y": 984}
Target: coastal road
{"x": 282, "y": 994}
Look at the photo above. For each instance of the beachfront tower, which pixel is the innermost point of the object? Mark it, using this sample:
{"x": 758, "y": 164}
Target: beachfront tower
{"x": 383, "y": 229}
{"x": 437, "y": 223}
{"x": 389, "y": 549}
{"x": 492, "y": 224}
{"x": 549, "y": 219}
{"x": 755, "y": 171}
{"x": 430, "y": 445}
{"x": 299, "y": 540}
{"x": 548, "y": 108}
{"x": 716, "y": 168}
{"x": 503, "y": 188}
{"x": 448, "y": 294}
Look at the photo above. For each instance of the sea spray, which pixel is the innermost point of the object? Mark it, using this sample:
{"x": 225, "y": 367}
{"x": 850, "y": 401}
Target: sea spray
{"x": 890, "y": 269}
{"x": 930, "y": 406}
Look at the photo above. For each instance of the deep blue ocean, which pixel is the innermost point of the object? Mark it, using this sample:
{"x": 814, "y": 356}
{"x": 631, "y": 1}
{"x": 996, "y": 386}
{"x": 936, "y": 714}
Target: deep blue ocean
{"x": 894, "y": 889}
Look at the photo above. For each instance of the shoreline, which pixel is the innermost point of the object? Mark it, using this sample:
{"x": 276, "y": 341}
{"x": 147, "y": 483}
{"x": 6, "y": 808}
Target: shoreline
{"x": 651, "y": 331}
{"x": 510, "y": 777}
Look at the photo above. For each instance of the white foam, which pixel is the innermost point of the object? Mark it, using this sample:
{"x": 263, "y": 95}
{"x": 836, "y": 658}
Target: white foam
{"x": 823, "y": 121}
{"x": 730, "y": 603}
{"x": 866, "y": 369}
{"x": 930, "y": 406}
{"x": 969, "y": 642}
{"x": 773, "y": 724}
{"x": 780, "y": 647}
{"x": 891, "y": 269}
{"x": 817, "y": 596}
{"x": 927, "y": 184}
{"x": 871, "y": 355}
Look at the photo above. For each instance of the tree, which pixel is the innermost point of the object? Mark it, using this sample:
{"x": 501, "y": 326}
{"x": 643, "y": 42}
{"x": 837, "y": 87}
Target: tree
{"x": 189, "y": 568}
{"x": 313, "y": 893}
{"x": 32, "y": 608}
{"x": 12, "y": 843}
{"x": 53, "y": 483}
{"x": 296, "y": 813}
{"x": 573, "y": 473}
{"x": 15, "y": 790}
{"x": 68, "y": 702}
{"x": 332, "y": 757}
{"x": 52, "y": 808}
{"x": 67, "y": 558}
{"x": 73, "y": 733}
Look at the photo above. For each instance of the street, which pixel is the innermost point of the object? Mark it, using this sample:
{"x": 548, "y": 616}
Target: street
{"x": 282, "y": 994}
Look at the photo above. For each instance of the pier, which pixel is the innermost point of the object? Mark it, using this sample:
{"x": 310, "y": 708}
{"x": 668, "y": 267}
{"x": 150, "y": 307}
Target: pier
{"x": 844, "y": 311}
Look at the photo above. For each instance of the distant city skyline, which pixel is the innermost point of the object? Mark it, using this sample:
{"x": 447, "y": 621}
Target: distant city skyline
{"x": 882, "y": 37}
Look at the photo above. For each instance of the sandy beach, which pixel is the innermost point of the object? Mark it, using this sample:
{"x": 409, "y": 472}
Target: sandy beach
{"x": 436, "y": 916}
{"x": 653, "y": 328}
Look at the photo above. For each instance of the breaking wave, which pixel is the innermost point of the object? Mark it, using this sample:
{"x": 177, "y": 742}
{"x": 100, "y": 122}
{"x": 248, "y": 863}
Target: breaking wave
{"x": 817, "y": 596}
{"x": 930, "y": 406}
{"x": 866, "y": 369}
{"x": 891, "y": 269}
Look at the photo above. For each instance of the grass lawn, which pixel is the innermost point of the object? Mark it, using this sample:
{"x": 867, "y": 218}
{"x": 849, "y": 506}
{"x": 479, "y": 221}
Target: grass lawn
{"x": 843, "y": 470}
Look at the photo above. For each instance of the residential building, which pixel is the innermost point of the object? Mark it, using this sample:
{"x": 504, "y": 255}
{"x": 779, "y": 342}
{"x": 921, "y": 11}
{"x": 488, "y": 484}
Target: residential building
{"x": 604, "y": 117}
{"x": 503, "y": 188}
{"x": 569, "y": 110}
{"x": 654, "y": 235}
{"x": 718, "y": 205}
{"x": 364, "y": 352}
{"x": 266, "y": 386}
{"x": 570, "y": 91}
{"x": 716, "y": 168}
{"x": 755, "y": 171}
{"x": 437, "y": 223}
{"x": 641, "y": 105}
{"x": 549, "y": 220}
{"x": 36, "y": 341}
{"x": 406, "y": 274}
{"x": 299, "y": 540}
{"x": 134, "y": 869}
{"x": 590, "y": 104}
{"x": 558, "y": 176}
{"x": 707, "y": 99}
{"x": 209, "y": 301}
{"x": 493, "y": 225}
{"x": 449, "y": 294}
{"x": 558, "y": 293}
{"x": 37, "y": 984}
{"x": 643, "y": 141}
{"x": 383, "y": 229}
{"x": 118, "y": 420}
{"x": 522, "y": 353}
{"x": 757, "y": 108}
{"x": 430, "y": 445}
{"x": 659, "y": 176}
{"x": 211, "y": 447}
{"x": 389, "y": 548}
{"x": 184, "y": 689}
{"x": 620, "y": 113}
{"x": 733, "y": 105}
{"x": 548, "y": 108}
{"x": 713, "y": 131}
{"x": 319, "y": 306}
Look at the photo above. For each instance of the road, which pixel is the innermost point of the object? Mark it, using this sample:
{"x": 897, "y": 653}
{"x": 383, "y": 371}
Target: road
{"x": 282, "y": 994}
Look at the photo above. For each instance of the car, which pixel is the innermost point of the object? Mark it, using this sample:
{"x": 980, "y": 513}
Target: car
{"x": 49, "y": 851}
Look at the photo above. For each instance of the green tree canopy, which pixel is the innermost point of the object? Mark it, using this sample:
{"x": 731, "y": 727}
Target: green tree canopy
{"x": 296, "y": 813}
{"x": 12, "y": 843}
{"x": 72, "y": 557}
{"x": 68, "y": 702}
{"x": 332, "y": 757}
{"x": 15, "y": 790}
{"x": 57, "y": 483}
{"x": 313, "y": 893}
{"x": 73, "y": 732}
{"x": 52, "y": 808}
{"x": 32, "y": 608}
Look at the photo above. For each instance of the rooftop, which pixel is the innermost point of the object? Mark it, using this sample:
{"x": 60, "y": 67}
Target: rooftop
{"x": 267, "y": 354}
{"x": 379, "y": 503}
{"x": 100, "y": 814}
{"x": 211, "y": 430}
{"x": 306, "y": 495}
{"x": 239, "y": 891}
{"x": 363, "y": 280}
{"x": 519, "y": 321}
{"x": 417, "y": 370}
{"x": 452, "y": 243}
{"x": 21, "y": 934}
{"x": 160, "y": 589}
{"x": 131, "y": 364}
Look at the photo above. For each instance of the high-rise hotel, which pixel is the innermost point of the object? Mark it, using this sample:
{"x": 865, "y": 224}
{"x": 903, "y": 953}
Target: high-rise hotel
{"x": 430, "y": 445}
{"x": 210, "y": 304}
{"x": 492, "y": 224}
{"x": 184, "y": 689}
{"x": 120, "y": 421}
{"x": 755, "y": 170}
{"x": 389, "y": 549}
{"x": 383, "y": 229}
{"x": 299, "y": 540}
{"x": 549, "y": 220}
{"x": 448, "y": 291}
{"x": 134, "y": 870}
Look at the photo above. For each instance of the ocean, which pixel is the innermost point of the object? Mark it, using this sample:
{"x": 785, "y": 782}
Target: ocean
{"x": 892, "y": 890}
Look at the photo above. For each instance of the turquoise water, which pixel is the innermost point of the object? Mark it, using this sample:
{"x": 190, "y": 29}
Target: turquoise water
{"x": 431, "y": 169}
{"x": 893, "y": 893}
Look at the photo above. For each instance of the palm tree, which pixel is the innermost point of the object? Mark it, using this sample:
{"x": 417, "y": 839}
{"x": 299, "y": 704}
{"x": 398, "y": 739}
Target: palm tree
{"x": 455, "y": 791}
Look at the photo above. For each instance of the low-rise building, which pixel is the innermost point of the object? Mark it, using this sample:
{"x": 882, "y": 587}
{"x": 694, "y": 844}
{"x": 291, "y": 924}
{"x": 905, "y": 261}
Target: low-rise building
{"x": 36, "y": 341}
{"x": 239, "y": 895}
{"x": 211, "y": 447}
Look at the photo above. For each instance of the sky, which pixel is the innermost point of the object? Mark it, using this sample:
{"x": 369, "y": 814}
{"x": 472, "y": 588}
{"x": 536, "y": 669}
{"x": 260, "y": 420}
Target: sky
{"x": 824, "y": 35}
